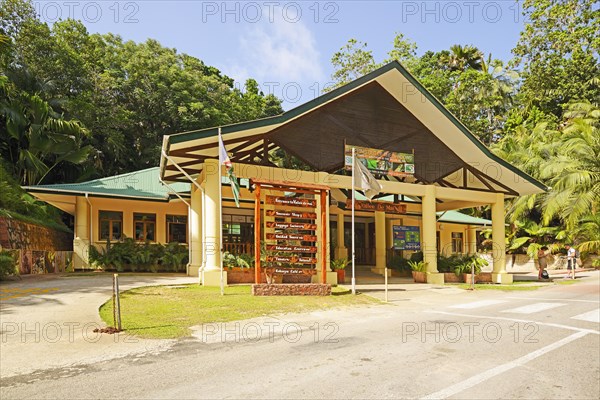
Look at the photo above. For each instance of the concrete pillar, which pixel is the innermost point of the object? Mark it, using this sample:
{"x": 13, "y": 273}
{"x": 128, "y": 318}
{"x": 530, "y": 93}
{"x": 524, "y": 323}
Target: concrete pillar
{"x": 323, "y": 224}
{"x": 380, "y": 243}
{"x": 471, "y": 240}
{"x": 195, "y": 241}
{"x": 499, "y": 274}
{"x": 81, "y": 241}
{"x": 340, "y": 248}
{"x": 428, "y": 242}
{"x": 211, "y": 236}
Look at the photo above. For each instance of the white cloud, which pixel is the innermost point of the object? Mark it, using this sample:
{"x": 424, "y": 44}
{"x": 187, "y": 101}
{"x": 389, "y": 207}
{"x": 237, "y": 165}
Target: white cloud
{"x": 279, "y": 52}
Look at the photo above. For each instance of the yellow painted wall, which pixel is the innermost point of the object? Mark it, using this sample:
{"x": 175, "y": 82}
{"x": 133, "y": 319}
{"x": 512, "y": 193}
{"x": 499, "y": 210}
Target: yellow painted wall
{"x": 129, "y": 207}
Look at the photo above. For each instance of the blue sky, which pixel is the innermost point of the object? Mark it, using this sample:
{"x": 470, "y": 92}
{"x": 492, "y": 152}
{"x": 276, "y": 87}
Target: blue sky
{"x": 287, "y": 46}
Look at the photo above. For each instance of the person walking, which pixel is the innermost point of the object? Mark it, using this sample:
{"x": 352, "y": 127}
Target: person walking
{"x": 571, "y": 261}
{"x": 542, "y": 262}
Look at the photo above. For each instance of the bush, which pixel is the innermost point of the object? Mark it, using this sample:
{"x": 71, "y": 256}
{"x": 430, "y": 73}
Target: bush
{"x": 8, "y": 265}
{"x": 128, "y": 255}
{"x": 399, "y": 263}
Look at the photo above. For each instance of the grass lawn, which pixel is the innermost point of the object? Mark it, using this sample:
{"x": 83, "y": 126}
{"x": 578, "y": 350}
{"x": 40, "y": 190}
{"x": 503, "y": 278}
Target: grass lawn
{"x": 169, "y": 311}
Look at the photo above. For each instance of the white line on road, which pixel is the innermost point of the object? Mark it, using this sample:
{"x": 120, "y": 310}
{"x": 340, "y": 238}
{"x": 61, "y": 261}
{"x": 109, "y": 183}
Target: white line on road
{"x": 478, "y": 304}
{"x": 591, "y": 316}
{"x": 484, "y": 376}
{"x": 533, "y": 308}
{"x": 572, "y": 328}
{"x": 539, "y": 298}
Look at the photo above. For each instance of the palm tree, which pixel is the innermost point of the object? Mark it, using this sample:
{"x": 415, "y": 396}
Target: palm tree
{"x": 461, "y": 58}
{"x": 574, "y": 174}
{"x": 37, "y": 137}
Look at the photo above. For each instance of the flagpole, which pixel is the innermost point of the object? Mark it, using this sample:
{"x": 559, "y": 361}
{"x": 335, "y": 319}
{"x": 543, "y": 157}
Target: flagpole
{"x": 221, "y": 213}
{"x": 353, "y": 248}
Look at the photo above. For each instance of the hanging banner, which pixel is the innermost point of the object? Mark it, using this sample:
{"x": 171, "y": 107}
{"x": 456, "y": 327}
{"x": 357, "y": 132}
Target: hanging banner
{"x": 291, "y": 201}
{"x": 390, "y": 208}
{"x": 407, "y": 237}
{"x": 382, "y": 162}
{"x": 291, "y": 214}
{"x": 291, "y": 225}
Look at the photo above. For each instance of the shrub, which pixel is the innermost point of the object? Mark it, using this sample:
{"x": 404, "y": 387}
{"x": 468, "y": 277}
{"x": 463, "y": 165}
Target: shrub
{"x": 399, "y": 263}
{"x": 8, "y": 265}
{"x": 128, "y": 255}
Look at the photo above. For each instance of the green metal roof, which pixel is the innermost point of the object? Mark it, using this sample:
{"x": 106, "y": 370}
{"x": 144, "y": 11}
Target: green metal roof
{"x": 456, "y": 217}
{"x": 143, "y": 184}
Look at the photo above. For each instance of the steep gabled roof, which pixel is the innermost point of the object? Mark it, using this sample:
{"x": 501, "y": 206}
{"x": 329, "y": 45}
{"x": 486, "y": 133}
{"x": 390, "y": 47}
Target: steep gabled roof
{"x": 402, "y": 114}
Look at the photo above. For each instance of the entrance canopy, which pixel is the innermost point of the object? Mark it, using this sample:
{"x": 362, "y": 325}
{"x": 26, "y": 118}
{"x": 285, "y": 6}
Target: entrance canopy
{"x": 387, "y": 109}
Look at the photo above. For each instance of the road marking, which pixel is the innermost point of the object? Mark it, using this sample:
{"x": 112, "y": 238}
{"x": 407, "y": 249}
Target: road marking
{"x": 533, "y": 308}
{"x": 478, "y": 304}
{"x": 592, "y": 316}
{"x": 549, "y": 324}
{"x": 500, "y": 369}
{"x": 538, "y": 298}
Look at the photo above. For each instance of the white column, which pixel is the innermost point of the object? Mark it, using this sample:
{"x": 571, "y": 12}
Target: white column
{"x": 81, "y": 241}
{"x": 211, "y": 236}
{"x": 499, "y": 274}
{"x": 429, "y": 240}
{"x": 195, "y": 241}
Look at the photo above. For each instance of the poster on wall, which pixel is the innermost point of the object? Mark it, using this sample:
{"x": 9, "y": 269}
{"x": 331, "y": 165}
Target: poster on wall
{"x": 382, "y": 162}
{"x": 407, "y": 237}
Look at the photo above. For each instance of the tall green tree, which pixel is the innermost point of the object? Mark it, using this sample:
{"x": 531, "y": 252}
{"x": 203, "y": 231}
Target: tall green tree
{"x": 558, "y": 53}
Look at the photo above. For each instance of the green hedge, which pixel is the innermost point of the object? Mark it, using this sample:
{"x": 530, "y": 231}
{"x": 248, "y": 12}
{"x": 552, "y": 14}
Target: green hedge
{"x": 8, "y": 265}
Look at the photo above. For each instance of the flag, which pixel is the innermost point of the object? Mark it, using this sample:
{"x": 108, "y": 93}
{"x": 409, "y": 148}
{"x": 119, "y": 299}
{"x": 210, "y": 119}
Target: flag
{"x": 226, "y": 161}
{"x": 365, "y": 181}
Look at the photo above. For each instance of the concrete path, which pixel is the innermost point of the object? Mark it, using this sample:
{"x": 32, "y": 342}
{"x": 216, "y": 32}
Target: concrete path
{"x": 48, "y": 321}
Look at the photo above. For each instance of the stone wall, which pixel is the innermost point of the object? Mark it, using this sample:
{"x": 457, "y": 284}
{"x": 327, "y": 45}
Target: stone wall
{"x": 18, "y": 235}
{"x": 38, "y": 250}
{"x": 292, "y": 289}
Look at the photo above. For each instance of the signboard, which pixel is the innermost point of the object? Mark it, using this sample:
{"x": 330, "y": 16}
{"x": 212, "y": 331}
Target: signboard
{"x": 291, "y": 214}
{"x": 291, "y": 225}
{"x": 390, "y": 208}
{"x": 291, "y": 236}
{"x": 291, "y": 271}
{"x": 382, "y": 162}
{"x": 291, "y": 201}
{"x": 292, "y": 259}
{"x": 407, "y": 237}
{"x": 290, "y": 249}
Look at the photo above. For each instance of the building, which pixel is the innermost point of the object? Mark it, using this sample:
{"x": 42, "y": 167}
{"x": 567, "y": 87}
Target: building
{"x": 387, "y": 110}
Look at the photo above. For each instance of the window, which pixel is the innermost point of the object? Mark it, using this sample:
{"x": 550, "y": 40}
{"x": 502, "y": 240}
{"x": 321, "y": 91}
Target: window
{"x": 238, "y": 229}
{"x": 111, "y": 225}
{"x": 177, "y": 228}
{"x": 457, "y": 242}
{"x": 144, "y": 227}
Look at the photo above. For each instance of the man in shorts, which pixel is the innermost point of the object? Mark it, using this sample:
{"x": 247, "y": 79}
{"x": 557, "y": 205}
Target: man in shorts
{"x": 542, "y": 261}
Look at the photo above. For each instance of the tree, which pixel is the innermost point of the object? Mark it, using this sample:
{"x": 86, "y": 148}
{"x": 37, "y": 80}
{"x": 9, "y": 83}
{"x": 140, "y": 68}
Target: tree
{"x": 460, "y": 58}
{"x": 38, "y": 138}
{"x": 352, "y": 61}
{"x": 558, "y": 51}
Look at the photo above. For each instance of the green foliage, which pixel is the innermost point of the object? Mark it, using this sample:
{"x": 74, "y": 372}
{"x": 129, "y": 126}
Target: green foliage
{"x": 418, "y": 266}
{"x": 242, "y": 261}
{"x": 339, "y": 264}
{"x": 128, "y": 255}
{"x": 468, "y": 263}
{"x": 8, "y": 265}
{"x": 127, "y": 95}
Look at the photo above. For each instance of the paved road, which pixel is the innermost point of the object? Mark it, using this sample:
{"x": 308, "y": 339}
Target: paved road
{"x": 434, "y": 343}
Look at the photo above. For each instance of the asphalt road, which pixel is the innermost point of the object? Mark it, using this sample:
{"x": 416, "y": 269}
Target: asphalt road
{"x": 431, "y": 343}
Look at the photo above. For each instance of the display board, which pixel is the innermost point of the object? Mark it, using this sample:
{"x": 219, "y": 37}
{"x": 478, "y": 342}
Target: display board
{"x": 407, "y": 237}
{"x": 290, "y": 228}
{"x": 381, "y": 162}
{"x": 387, "y": 207}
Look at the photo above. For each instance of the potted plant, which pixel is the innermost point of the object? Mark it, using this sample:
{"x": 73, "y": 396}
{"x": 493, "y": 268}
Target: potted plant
{"x": 472, "y": 263}
{"x": 419, "y": 271}
{"x": 339, "y": 266}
